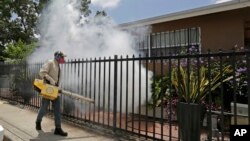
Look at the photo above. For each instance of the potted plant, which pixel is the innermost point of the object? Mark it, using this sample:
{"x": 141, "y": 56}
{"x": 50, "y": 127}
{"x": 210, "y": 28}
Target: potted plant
{"x": 192, "y": 85}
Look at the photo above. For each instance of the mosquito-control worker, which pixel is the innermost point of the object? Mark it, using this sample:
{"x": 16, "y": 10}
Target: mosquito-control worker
{"x": 50, "y": 73}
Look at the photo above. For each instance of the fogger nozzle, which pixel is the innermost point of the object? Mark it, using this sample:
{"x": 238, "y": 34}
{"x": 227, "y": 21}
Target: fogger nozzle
{"x": 77, "y": 96}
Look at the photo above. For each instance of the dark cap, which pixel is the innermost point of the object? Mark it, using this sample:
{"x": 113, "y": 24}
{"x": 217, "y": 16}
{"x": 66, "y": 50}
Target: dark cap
{"x": 58, "y": 54}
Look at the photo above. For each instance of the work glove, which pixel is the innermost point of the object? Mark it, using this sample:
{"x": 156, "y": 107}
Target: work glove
{"x": 50, "y": 79}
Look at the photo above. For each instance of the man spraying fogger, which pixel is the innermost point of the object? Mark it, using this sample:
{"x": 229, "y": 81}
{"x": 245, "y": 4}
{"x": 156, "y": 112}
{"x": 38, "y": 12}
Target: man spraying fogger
{"x": 50, "y": 73}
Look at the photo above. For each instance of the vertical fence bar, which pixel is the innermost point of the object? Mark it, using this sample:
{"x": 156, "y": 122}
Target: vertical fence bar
{"x": 133, "y": 91}
{"x": 109, "y": 87}
{"x": 210, "y": 98}
{"x": 146, "y": 130}
{"x": 34, "y": 98}
{"x": 82, "y": 86}
{"x": 199, "y": 76}
{"x": 161, "y": 95}
{"x": 221, "y": 121}
{"x": 35, "y": 69}
{"x": 90, "y": 86}
{"x": 248, "y": 82}
{"x": 99, "y": 90}
{"x": 104, "y": 90}
{"x": 154, "y": 102}
{"x": 79, "y": 109}
{"x": 115, "y": 93}
{"x": 179, "y": 90}
{"x": 139, "y": 94}
{"x": 234, "y": 87}
{"x": 39, "y": 97}
{"x": 37, "y": 66}
{"x": 170, "y": 99}
{"x": 33, "y": 78}
{"x": 27, "y": 77}
{"x": 188, "y": 77}
{"x": 61, "y": 85}
{"x": 66, "y": 84}
{"x": 75, "y": 113}
{"x": 66, "y": 73}
{"x": 126, "y": 121}
{"x": 22, "y": 70}
{"x": 72, "y": 113}
{"x": 94, "y": 89}
{"x": 86, "y": 89}
{"x": 120, "y": 121}
{"x": 71, "y": 77}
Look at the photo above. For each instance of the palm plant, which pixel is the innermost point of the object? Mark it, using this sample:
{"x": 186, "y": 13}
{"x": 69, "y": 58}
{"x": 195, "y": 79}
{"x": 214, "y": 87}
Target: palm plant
{"x": 194, "y": 85}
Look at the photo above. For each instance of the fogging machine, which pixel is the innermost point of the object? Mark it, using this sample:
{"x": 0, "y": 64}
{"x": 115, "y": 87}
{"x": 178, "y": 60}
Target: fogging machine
{"x": 51, "y": 92}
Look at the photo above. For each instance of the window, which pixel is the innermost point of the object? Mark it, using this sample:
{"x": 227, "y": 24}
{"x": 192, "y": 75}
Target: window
{"x": 171, "y": 42}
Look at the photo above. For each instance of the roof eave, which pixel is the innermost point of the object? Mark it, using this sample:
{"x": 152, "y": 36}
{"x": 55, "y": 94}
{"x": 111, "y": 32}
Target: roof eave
{"x": 232, "y": 5}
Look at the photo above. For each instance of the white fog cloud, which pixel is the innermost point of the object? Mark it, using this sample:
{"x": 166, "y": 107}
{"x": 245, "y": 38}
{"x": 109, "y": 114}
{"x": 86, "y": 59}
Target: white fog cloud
{"x": 60, "y": 30}
{"x": 106, "y": 3}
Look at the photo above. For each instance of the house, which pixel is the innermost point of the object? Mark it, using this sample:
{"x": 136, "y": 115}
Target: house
{"x": 214, "y": 27}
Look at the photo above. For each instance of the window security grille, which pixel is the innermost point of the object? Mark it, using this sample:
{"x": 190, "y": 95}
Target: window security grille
{"x": 171, "y": 42}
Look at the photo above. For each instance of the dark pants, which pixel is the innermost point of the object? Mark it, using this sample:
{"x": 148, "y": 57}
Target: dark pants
{"x": 56, "y": 107}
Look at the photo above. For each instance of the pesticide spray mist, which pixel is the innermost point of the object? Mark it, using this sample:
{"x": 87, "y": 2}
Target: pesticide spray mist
{"x": 62, "y": 29}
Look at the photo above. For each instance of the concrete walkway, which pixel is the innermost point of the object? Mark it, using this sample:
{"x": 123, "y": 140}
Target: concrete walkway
{"x": 19, "y": 125}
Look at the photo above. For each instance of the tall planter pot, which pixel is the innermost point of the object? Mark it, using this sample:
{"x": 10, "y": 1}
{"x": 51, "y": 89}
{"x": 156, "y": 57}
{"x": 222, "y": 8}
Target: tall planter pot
{"x": 189, "y": 117}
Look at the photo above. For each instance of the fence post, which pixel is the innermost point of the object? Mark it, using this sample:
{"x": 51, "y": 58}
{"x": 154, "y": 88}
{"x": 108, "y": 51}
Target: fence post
{"x": 115, "y": 93}
{"x": 248, "y": 82}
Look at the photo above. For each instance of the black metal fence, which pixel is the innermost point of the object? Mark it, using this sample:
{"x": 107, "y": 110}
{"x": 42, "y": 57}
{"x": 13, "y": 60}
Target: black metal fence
{"x": 140, "y": 95}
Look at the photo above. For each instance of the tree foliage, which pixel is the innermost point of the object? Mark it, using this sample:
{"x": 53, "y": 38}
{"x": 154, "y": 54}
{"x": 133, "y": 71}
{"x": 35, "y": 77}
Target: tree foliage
{"x": 85, "y": 7}
{"x": 18, "y": 51}
{"x": 18, "y": 20}
{"x": 100, "y": 13}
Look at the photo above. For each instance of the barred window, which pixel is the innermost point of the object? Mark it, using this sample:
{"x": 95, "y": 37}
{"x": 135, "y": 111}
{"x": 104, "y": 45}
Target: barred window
{"x": 169, "y": 42}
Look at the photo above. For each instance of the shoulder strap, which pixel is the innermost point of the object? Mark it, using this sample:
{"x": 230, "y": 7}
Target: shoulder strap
{"x": 59, "y": 73}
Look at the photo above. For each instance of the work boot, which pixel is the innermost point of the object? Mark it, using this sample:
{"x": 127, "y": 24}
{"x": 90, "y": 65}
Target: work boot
{"x": 38, "y": 126}
{"x": 59, "y": 131}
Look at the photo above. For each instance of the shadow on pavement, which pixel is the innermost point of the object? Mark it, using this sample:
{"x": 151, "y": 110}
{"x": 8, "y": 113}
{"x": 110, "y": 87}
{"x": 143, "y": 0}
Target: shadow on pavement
{"x": 46, "y": 136}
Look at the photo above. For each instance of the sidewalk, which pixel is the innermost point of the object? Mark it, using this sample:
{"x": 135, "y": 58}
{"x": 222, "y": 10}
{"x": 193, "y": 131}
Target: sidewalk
{"x": 19, "y": 125}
